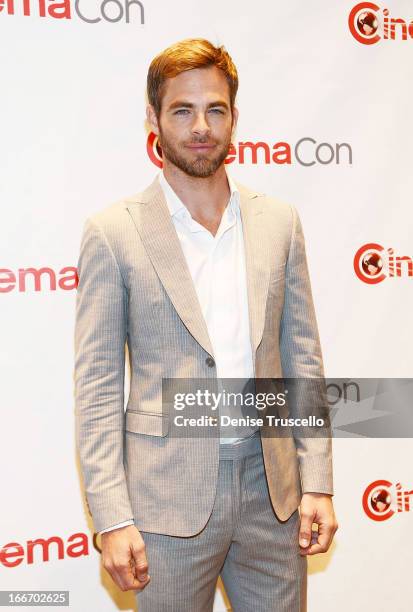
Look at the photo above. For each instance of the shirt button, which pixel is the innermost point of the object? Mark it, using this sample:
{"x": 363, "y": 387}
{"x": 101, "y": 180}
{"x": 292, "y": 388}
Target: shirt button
{"x": 210, "y": 362}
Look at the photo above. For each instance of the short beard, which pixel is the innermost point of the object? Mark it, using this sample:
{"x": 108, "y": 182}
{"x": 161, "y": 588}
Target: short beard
{"x": 200, "y": 167}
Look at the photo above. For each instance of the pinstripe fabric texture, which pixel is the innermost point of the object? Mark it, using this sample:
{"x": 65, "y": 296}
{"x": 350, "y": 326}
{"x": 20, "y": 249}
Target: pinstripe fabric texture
{"x": 135, "y": 288}
{"x": 258, "y": 557}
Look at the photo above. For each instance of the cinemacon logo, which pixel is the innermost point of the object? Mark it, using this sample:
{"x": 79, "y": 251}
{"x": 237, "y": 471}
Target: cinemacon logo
{"x": 373, "y": 263}
{"x": 306, "y": 152}
{"x": 38, "y": 279}
{"x": 42, "y": 550}
{"x": 369, "y": 23}
{"x": 382, "y": 499}
{"x": 90, "y": 11}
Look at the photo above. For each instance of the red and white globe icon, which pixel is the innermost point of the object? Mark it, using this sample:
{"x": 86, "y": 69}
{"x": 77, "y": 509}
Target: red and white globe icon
{"x": 367, "y": 23}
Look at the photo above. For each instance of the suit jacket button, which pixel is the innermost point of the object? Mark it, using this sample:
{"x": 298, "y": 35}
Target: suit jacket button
{"x": 210, "y": 362}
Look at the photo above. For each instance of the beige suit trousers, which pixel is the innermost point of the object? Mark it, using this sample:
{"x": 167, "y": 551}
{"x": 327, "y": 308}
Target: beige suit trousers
{"x": 256, "y": 555}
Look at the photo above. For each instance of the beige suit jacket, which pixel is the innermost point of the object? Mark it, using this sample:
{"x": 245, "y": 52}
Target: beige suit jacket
{"x": 135, "y": 290}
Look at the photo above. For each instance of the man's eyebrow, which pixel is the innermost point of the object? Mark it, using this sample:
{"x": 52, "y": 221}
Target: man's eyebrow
{"x": 183, "y": 104}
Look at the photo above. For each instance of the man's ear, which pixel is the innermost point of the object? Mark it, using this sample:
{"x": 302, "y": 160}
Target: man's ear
{"x": 152, "y": 119}
{"x": 234, "y": 119}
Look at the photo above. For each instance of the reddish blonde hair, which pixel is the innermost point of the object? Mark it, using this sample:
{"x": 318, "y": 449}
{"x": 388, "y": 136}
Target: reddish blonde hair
{"x": 188, "y": 54}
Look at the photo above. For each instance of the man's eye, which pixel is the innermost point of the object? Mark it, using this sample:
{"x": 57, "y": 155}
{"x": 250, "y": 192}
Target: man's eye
{"x": 217, "y": 110}
{"x": 181, "y": 111}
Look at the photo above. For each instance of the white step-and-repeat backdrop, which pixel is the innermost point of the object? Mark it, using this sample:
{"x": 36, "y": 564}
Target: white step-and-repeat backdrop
{"x": 325, "y": 104}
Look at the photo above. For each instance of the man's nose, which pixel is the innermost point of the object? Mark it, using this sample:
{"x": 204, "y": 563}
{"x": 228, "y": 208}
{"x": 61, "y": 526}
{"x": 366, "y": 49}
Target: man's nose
{"x": 200, "y": 125}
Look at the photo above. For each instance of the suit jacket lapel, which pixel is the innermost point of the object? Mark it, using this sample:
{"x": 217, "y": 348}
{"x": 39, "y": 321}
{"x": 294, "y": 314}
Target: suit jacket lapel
{"x": 256, "y": 261}
{"x": 152, "y": 219}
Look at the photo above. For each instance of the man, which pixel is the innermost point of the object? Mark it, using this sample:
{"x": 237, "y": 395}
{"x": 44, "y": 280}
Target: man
{"x": 203, "y": 279}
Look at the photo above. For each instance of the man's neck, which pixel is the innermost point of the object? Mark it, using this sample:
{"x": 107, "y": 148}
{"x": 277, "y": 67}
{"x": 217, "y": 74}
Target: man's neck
{"x": 205, "y": 198}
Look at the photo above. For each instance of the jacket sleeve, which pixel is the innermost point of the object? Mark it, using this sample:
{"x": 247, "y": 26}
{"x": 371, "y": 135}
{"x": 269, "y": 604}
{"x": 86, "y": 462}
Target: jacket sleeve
{"x": 301, "y": 360}
{"x": 99, "y": 373}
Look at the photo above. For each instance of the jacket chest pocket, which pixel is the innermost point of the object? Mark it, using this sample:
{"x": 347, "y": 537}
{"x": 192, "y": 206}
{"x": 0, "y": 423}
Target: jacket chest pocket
{"x": 277, "y": 279}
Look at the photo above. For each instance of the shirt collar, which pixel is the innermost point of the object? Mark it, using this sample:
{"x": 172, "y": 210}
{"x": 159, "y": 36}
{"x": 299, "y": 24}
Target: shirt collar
{"x": 175, "y": 204}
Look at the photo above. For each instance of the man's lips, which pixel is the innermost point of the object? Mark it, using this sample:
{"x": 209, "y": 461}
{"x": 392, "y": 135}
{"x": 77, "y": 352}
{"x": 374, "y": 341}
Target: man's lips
{"x": 198, "y": 146}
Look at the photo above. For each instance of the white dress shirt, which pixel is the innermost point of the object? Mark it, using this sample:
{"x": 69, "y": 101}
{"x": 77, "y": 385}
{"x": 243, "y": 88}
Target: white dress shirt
{"x": 217, "y": 267}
